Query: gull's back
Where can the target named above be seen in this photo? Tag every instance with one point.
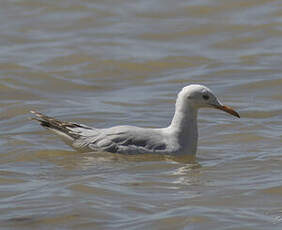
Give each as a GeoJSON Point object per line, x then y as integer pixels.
{"type": "Point", "coordinates": [122, 139]}
{"type": "Point", "coordinates": [118, 139]}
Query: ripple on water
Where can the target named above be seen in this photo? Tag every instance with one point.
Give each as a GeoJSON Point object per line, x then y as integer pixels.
{"type": "Point", "coordinates": [105, 64]}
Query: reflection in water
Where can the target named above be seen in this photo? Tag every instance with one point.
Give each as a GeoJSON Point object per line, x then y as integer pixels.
{"type": "Point", "coordinates": [189, 174]}
{"type": "Point", "coordinates": [92, 158]}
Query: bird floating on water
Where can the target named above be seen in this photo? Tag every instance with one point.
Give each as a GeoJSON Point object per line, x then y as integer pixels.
{"type": "Point", "coordinates": [180, 137]}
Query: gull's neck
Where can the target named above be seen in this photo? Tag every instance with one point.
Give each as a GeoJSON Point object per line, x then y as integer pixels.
{"type": "Point", "coordinates": [184, 126]}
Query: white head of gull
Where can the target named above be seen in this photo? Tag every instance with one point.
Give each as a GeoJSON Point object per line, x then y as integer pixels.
{"type": "Point", "coordinates": [180, 137]}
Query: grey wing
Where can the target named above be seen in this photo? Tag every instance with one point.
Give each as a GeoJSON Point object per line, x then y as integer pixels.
{"type": "Point", "coordinates": [123, 139]}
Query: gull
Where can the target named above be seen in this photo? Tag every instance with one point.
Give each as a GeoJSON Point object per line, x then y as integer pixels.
{"type": "Point", "coordinates": [180, 137]}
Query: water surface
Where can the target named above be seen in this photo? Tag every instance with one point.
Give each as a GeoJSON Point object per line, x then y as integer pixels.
{"type": "Point", "coordinates": [105, 63]}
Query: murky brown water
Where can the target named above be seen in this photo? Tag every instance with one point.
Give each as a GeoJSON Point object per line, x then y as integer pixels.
{"type": "Point", "coordinates": [107, 63]}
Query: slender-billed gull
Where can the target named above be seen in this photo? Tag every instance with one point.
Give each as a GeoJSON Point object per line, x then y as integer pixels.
{"type": "Point", "coordinates": [180, 137]}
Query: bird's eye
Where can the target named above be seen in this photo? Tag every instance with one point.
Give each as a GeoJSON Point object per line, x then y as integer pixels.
{"type": "Point", "coordinates": [206, 97]}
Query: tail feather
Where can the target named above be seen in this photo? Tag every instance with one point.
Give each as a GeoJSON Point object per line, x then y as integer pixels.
{"type": "Point", "coordinates": [60, 127]}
